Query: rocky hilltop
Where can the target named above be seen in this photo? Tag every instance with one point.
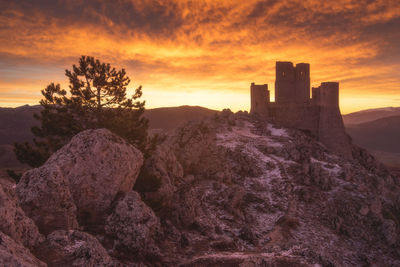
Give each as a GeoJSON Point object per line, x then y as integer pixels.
{"type": "Point", "coordinates": [227, 191]}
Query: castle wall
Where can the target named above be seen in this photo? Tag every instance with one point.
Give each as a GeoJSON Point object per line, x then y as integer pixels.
{"type": "Point", "coordinates": [304, 117]}
{"type": "Point", "coordinates": [315, 95]}
{"type": "Point", "coordinates": [331, 130]}
{"type": "Point", "coordinates": [259, 98]}
{"type": "Point", "coordinates": [324, 122]}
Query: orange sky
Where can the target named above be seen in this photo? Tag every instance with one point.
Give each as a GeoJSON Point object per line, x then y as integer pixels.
{"type": "Point", "coordinates": [204, 52]}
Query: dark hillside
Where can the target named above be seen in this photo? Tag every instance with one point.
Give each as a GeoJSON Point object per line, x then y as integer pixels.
{"type": "Point", "coordinates": [172, 117]}
{"type": "Point", "coordinates": [382, 134]}
{"type": "Point", "coordinates": [370, 115]}
{"type": "Point", "coordinates": [16, 124]}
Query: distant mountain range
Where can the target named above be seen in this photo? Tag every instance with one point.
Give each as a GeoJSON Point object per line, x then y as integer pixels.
{"type": "Point", "coordinates": [382, 134]}
{"type": "Point", "coordinates": [17, 122]}
{"type": "Point", "coordinates": [172, 117]}
{"type": "Point", "coordinates": [15, 125]}
{"type": "Point", "coordinates": [377, 130]}
{"type": "Point", "coordinates": [370, 115]}
{"type": "Point", "coordinates": [380, 137]}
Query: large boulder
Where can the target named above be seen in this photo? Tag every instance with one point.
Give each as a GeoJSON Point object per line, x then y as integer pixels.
{"type": "Point", "coordinates": [83, 178]}
{"type": "Point", "coordinates": [45, 197]}
{"type": "Point", "coordinates": [98, 166]}
{"type": "Point", "coordinates": [74, 248]}
{"type": "Point", "coordinates": [134, 226]}
{"type": "Point", "coordinates": [13, 254]}
{"type": "Point", "coordinates": [14, 222]}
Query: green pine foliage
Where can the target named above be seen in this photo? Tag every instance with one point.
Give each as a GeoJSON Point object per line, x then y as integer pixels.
{"type": "Point", "coordinates": [96, 99]}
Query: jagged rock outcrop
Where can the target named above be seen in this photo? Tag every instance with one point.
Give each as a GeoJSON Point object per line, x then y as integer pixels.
{"type": "Point", "coordinates": [79, 181]}
{"type": "Point", "coordinates": [14, 222]}
{"type": "Point", "coordinates": [13, 254]}
{"type": "Point", "coordinates": [134, 227]}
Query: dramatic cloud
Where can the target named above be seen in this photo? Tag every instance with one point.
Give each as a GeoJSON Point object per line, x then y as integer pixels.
{"type": "Point", "coordinates": [204, 52]}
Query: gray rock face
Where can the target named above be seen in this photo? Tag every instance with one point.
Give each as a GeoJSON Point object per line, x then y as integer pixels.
{"type": "Point", "coordinates": [74, 248]}
{"type": "Point", "coordinates": [163, 168]}
{"type": "Point", "coordinates": [13, 254]}
{"type": "Point", "coordinates": [79, 181]}
{"type": "Point", "coordinates": [45, 196]}
{"type": "Point", "coordinates": [14, 222]}
{"type": "Point", "coordinates": [97, 165]}
{"type": "Point", "coordinates": [133, 225]}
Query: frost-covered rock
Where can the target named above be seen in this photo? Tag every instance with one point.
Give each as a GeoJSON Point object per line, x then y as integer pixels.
{"type": "Point", "coordinates": [74, 248]}
{"type": "Point", "coordinates": [13, 254]}
{"type": "Point", "coordinates": [14, 222]}
{"type": "Point", "coordinates": [134, 226]}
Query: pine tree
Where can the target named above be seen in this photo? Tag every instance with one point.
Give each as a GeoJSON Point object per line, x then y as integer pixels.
{"type": "Point", "coordinates": [97, 99]}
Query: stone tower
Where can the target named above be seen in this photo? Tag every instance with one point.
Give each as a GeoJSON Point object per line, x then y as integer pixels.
{"type": "Point", "coordinates": [259, 98]}
{"type": "Point", "coordinates": [284, 82]}
{"type": "Point", "coordinates": [302, 82]}
{"type": "Point", "coordinates": [331, 131]}
{"type": "Point", "coordinates": [292, 84]}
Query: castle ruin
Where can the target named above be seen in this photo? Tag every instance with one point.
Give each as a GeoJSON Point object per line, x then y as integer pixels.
{"type": "Point", "coordinates": [293, 107]}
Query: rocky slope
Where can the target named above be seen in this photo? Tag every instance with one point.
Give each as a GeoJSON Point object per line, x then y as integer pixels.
{"type": "Point", "coordinates": [228, 191]}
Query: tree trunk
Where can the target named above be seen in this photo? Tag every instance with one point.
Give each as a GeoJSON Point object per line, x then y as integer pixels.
{"type": "Point", "coordinates": [98, 98]}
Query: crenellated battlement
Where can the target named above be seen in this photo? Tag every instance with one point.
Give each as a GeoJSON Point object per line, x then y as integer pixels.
{"type": "Point", "coordinates": [294, 108]}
